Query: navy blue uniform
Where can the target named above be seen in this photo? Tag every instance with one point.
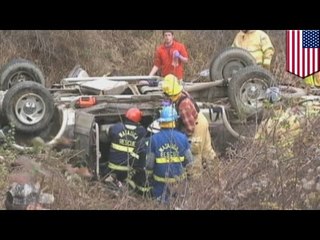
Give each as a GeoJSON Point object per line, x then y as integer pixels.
{"type": "Point", "coordinates": [169, 153]}
{"type": "Point", "coordinates": [128, 153]}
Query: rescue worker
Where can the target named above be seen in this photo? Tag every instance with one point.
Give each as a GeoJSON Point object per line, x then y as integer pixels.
{"type": "Point", "coordinates": [169, 153]}
{"type": "Point", "coordinates": [313, 80]}
{"type": "Point", "coordinates": [194, 124]}
{"type": "Point", "coordinates": [258, 43]}
{"type": "Point", "coordinates": [170, 57]}
{"type": "Point", "coordinates": [282, 126]}
{"type": "Point", "coordinates": [126, 157]}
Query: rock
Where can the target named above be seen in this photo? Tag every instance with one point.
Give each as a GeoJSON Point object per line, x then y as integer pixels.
{"type": "Point", "coordinates": [308, 185]}
{"type": "Point", "coordinates": [46, 198]}
{"type": "Point", "coordinates": [38, 142]}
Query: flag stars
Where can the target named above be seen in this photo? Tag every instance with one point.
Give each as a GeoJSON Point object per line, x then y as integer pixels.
{"type": "Point", "coordinates": [311, 38]}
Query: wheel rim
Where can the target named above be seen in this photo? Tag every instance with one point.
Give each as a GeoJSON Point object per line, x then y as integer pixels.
{"type": "Point", "coordinates": [252, 93]}
{"type": "Point", "coordinates": [30, 109]}
{"type": "Point", "coordinates": [232, 67]}
{"type": "Point", "coordinates": [19, 76]}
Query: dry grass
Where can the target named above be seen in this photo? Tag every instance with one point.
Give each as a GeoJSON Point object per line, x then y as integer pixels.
{"type": "Point", "coordinates": [252, 176]}
{"type": "Point", "coordinates": [125, 52]}
{"type": "Point", "coordinates": [269, 180]}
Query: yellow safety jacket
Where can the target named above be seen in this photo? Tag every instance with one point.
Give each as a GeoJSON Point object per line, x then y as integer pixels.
{"type": "Point", "coordinates": [281, 130]}
{"type": "Point", "coordinates": [258, 44]}
{"type": "Point", "coordinates": [285, 126]}
{"type": "Point", "coordinates": [313, 80]}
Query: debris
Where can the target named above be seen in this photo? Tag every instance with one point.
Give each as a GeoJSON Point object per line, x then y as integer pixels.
{"type": "Point", "coordinates": [82, 171]}
{"type": "Point", "coordinates": [38, 142]}
{"type": "Point", "coordinates": [35, 206]}
{"type": "Point", "coordinates": [26, 197]}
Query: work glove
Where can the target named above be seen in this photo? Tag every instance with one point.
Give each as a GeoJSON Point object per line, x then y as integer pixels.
{"type": "Point", "coordinates": [176, 54]}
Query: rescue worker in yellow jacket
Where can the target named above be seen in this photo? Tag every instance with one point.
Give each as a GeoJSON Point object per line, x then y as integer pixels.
{"type": "Point", "coordinates": [281, 127]}
{"type": "Point", "coordinates": [313, 80]}
{"type": "Point", "coordinates": [258, 43]}
{"type": "Point", "coordinates": [194, 124]}
{"type": "Point", "coordinates": [284, 125]}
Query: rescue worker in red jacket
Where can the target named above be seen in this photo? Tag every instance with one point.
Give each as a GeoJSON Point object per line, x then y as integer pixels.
{"type": "Point", "coordinates": [194, 124]}
{"type": "Point", "coordinates": [168, 154]}
{"type": "Point", "coordinates": [170, 57]}
{"type": "Point", "coordinates": [127, 152]}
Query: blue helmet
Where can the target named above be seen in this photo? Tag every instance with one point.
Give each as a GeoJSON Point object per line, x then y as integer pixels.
{"type": "Point", "coordinates": [168, 114]}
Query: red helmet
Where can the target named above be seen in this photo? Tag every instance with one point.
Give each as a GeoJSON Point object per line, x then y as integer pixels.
{"type": "Point", "coordinates": [134, 114]}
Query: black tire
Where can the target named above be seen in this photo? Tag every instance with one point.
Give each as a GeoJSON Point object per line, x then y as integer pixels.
{"type": "Point", "coordinates": [10, 206]}
{"type": "Point", "coordinates": [230, 61]}
{"type": "Point", "coordinates": [32, 118]}
{"type": "Point", "coordinates": [20, 70]}
{"type": "Point", "coordinates": [246, 90]}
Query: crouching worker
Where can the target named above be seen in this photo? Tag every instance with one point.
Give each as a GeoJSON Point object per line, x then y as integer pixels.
{"type": "Point", "coordinates": [127, 155]}
{"type": "Point", "coordinates": [195, 125]}
{"type": "Point", "coordinates": [280, 129]}
{"type": "Point", "coordinates": [168, 155]}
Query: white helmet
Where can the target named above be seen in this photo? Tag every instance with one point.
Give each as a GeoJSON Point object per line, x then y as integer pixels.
{"type": "Point", "coordinates": [154, 127]}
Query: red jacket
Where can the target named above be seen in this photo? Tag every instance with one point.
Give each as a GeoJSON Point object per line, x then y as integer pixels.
{"type": "Point", "coordinates": [164, 59]}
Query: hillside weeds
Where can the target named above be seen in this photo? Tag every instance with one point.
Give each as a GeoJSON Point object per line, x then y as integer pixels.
{"type": "Point", "coordinates": [252, 175]}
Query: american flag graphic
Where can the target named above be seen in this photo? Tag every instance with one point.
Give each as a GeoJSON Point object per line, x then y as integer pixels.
{"type": "Point", "coordinates": [303, 52]}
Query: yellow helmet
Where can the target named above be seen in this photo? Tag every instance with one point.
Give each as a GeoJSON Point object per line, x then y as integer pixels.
{"type": "Point", "coordinates": [171, 85]}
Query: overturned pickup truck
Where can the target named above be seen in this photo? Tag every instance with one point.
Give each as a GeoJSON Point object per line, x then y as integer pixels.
{"type": "Point", "coordinates": [83, 108]}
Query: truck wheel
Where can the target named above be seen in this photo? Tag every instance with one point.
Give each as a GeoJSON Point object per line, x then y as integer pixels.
{"type": "Point", "coordinates": [20, 70]}
{"type": "Point", "coordinates": [11, 206]}
{"type": "Point", "coordinates": [246, 90]}
{"type": "Point", "coordinates": [28, 106]}
{"type": "Point", "coordinates": [230, 61]}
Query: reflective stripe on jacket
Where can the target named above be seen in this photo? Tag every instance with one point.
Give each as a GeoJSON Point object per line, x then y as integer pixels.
{"type": "Point", "coordinates": [119, 167]}
{"type": "Point", "coordinates": [125, 149]}
{"type": "Point", "coordinates": [170, 180]}
{"type": "Point", "coordinates": [127, 144]}
{"type": "Point", "coordinates": [169, 147]}
{"type": "Point", "coordinates": [162, 160]}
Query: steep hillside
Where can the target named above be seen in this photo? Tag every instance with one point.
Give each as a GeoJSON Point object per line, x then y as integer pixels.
{"type": "Point", "coordinates": [125, 52]}
{"type": "Point", "coordinates": [250, 176]}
